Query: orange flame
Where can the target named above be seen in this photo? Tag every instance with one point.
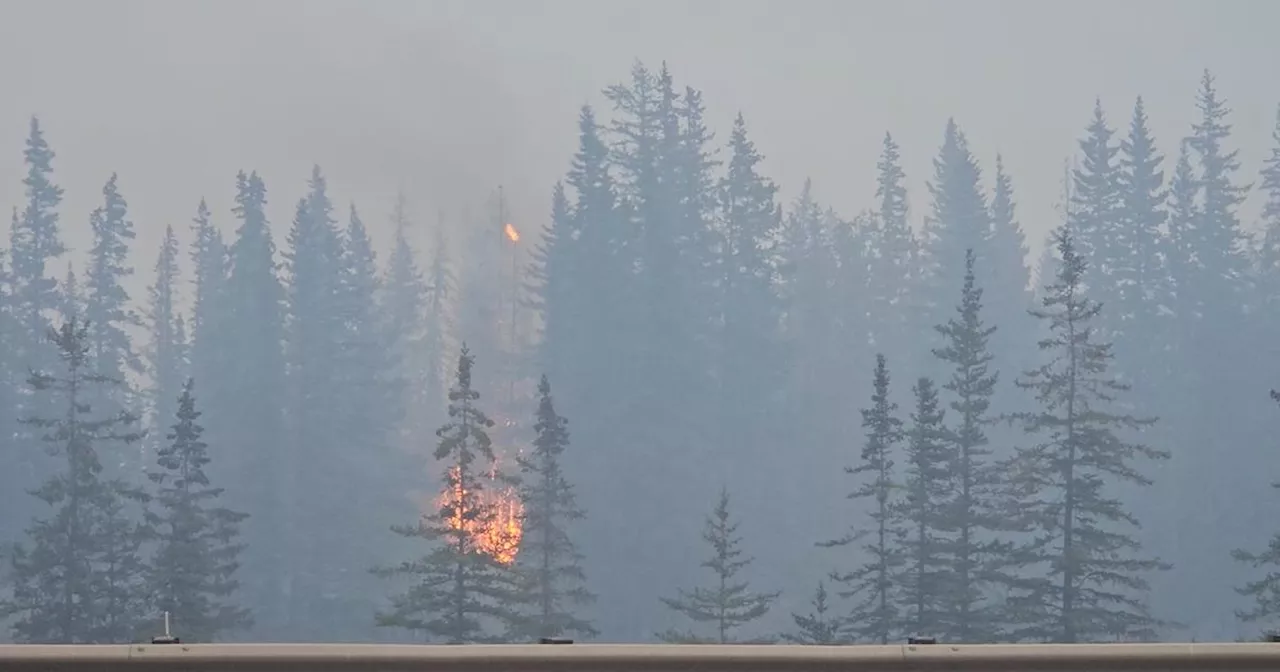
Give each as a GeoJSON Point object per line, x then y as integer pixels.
{"type": "Point", "coordinates": [498, 533]}
{"type": "Point", "coordinates": [512, 234]}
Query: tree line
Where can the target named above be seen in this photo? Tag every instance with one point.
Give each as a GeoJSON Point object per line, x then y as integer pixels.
{"type": "Point", "coordinates": [698, 331]}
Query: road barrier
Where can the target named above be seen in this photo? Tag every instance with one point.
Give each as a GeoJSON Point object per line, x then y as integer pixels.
{"type": "Point", "coordinates": [942, 657]}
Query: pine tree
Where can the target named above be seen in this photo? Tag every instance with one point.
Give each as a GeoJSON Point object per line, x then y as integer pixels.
{"type": "Point", "coordinates": [960, 220]}
{"type": "Point", "coordinates": [441, 286]}
{"type": "Point", "coordinates": [249, 418]}
{"type": "Point", "coordinates": [403, 302]}
{"type": "Point", "coordinates": [193, 572]}
{"type": "Point", "coordinates": [729, 603]}
{"type": "Point", "coordinates": [1142, 281]}
{"type": "Point", "coordinates": [1269, 254]}
{"type": "Point", "coordinates": [752, 359]}
{"type": "Point", "coordinates": [1082, 577]}
{"type": "Point", "coordinates": [550, 575]}
{"type": "Point", "coordinates": [34, 242]}
{"type": "Point", "coordinates": [1095, 204]}
{"type": "Point", "coordinates": [875, 584]}
{"type": "Point", "coordinates": [891, 257]}
{"type": "Point", "coordinates": [166, 355]}
{"type": "Point", "coordinates": [71, 299]}
{"type": "Point", "coordinates": [818, 627]}
{"type": "Point", "coordinates": [107, 304]}
{"type": "Point", "coordinates": [927, 583]}
{"type": "Point", "coordinates": [78, 578]}
{"type": "Point", "coordinates": [1008, 279]}
{"type": "Point", "coordinates": [457, 586]}
{"type": "Point", "coordinates": [1265, 591]}
{"type": "Point", "coordinates": [972, 518]}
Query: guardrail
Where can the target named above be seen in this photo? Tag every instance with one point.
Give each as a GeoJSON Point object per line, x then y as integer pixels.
{"type": "Point", "coordinates": [1243, 657]}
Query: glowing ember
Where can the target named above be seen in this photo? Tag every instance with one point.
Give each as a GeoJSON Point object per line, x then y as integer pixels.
{"type": "Point", "coordinates": [512, 234]}
{"type": "Point", "coordinates": [497, 534]}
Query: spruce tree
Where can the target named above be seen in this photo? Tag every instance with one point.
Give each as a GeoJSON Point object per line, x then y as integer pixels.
{"type": "Point", "coordinates": [441, 286]}
{"type": "Point", "coordinates": [35, 241]}
{"type": "Point", "coordinates": [403, 301]}
{"type": "Point", "coordinates": [458, 588]}
{"type": "Point", "coordinates": [166, 353]}
{"type": "Point", "coordinates": [79, 576]}
{"type": "Point", "coordinates": [107, 304]}
{"type": "Point", "coordinates": [818, 627]}
{"type": "Point", "coordinates": [250, 418]}
{"type": "Point", "coordinates": [1006, 278]}
{"type": "Point", "coordinates": [875, 584]}
{"type": "Point", "coordinates": [1264, 591]}
{"type": "Point", "coordinates": [891, 259]}
{"type": "Point", "coordinates": [973, 518]}
{"type": "Point", "coordinates": [1269, 253]}
{"type": "Point", "coordinates": [927, 577]}
{"type": "Point", "coordinates": [729, 603]}
{"type": "Point", "coordinates": [550, 578]}
{"type": "Point", "coordinates": [1082, 575]}
{"type": "Point", "coordinates": [1095, 204]}
{"type": "Point", "coordinates": [192, 575]}
{"type": "Point", "coordinates": [752, 357]}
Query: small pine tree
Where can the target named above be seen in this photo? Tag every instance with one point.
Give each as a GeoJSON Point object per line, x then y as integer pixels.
{"type": "Point", "coordinates": [729, 604]}
{"type": "Point", "coordinates": [458, 587]}
{"type": "Point", "coordinates": [193, 572]}
{"type": "Point", "coordinates": [874, 584]}
{"type": "Point", "coordinates": [1083, 576]}
{"type": "Point", "coordinates": [549, 567]}
{"type": "Point", "coordinates": [79, 579]}
{"type": "Point", "coordinates": [818, 627]}
{"type": "Point", "coordinates": [927, 579]}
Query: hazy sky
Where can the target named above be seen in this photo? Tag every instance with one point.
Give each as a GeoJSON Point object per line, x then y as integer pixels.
{"type": "Point", "coordinates": [449, 98]}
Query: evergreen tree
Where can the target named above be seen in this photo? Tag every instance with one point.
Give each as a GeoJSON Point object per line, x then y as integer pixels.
{"type": "Point", "coordinates": [1142, 283]}
{"type": "Point", "coordinates": [1269, 254]}
{"type": "Point", "coordinates": [960, 220]}
{"type": "Point", "coordinates": [875, 584]}
{"type": "Point", "coordinates": [71, 298]}
{"type": "Point", "coordinates": [166, 356]}
{"type": "Point", "coordinates": [891, 256]}
{"type": "Point", "coordinates": [1265, 591]}
{"type": "Point", "coordinates": [1083, 577]}
{"type": "Point", "coordinates": [403, 302]}
{"type": "Point", "coordinates": [441, 286]}
{"type": "Point", "coordinates": [927, 573]}
{"type": "Point", "coordinates": [107, 305]}
{"type": "Point", "coordinates": [1007, 281]}
{"type": "Point", "coordinates": [34, 242]}
{"type": "Point", "coordinates": [457, 586]}
{"type": "Point", "coordinates": [193, 572]}
{"type": "Point", "coordinates": [550, 576]}
{"type": "Point", "coordinates": [78, 578]}
{"type": "Point", "coordinates": [250, 420]}
{"type": "Point", "coordinates": [1095, 204]}
{"type": "Point", "coordinates": [729, 603]}
{"type": "Point", "coordinates": [818, 627]}
{"type": "Point", "coordinates": [752, 359]}
{"type": "Point", "coordinates": [972, 519]}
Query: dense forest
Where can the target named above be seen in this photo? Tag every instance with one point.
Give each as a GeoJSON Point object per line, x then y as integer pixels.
{"type": "Point", "coordinates": [682, 411]}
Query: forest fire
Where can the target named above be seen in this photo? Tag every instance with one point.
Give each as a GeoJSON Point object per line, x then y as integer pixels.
{"type": "Point", "coordinates": [497, 533]}
{"type": "Point", "coordinates": [512, 234]}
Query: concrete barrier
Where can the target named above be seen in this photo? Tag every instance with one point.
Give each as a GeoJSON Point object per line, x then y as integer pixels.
{"type": "Point", "coordinates": [641, 658]}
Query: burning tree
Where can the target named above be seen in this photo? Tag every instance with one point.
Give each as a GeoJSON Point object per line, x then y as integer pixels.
{"type": "Point", "coordinates": [460, 585]}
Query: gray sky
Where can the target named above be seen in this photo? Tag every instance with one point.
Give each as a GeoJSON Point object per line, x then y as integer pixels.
{"type": "Point", "coordinates": [449, 98]}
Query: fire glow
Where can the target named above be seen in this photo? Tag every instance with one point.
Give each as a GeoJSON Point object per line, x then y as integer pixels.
{"type": "Point", "coordinates": [497, 532]}
{"type": "Point", "coordinates": [512, 234]}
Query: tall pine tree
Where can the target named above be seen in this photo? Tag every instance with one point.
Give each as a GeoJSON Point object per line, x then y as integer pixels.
{"type": "Point", "coordinates": [1083, 577]}
{"type": "Point", "coordinates": [875, 584]}
{"type": "Point", "coordinates": [927, 577]}
{"type": "Point", "coordinates": [167, 361]}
